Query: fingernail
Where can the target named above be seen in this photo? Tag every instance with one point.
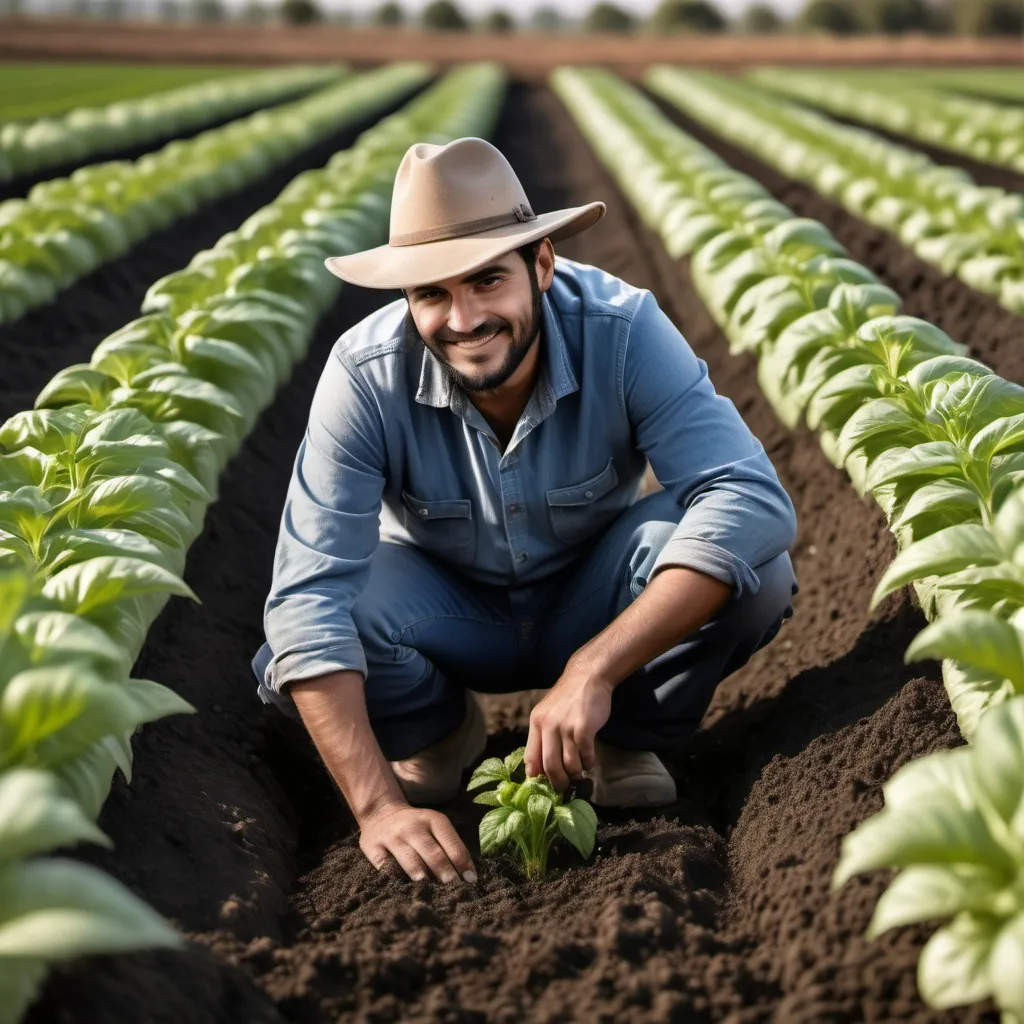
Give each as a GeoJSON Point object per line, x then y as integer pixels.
{"type": "Point", "coordinates": [417, 878]}
{"type": "Point", "coordinates": [469, 876]}
{"type": "Point", "coordinates": [447, 878]}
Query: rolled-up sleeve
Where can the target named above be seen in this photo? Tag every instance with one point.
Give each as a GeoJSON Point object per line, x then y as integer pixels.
{"type": "Point", "coordinates": [329, 530]}
{"type": "Point", "coordinates": [735, 514]}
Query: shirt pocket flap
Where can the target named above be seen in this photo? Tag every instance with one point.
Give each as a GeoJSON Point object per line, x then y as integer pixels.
{"type": "Point", "coordinates": [587, 491]}
{"type": "Point", "coordinates": [449, 508]}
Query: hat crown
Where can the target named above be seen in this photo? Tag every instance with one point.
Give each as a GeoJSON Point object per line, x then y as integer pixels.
{"type": "Point", "coordinates": [450, 191]}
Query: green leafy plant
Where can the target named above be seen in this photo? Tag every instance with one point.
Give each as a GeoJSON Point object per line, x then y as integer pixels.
{"type": "Point", "coordinates": [529, 815]}
{"type": "Point", "coordinates": [954, 823]}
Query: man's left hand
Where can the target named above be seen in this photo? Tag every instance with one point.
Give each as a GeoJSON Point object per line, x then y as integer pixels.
{"type": "Point", "coordinates": [563, 726]}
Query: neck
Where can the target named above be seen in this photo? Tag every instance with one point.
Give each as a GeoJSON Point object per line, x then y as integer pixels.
{"type": "Point", "coordinates": [502, 406]}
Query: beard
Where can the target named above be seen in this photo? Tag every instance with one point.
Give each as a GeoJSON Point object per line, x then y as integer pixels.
{"type": "Point", "coordinates": [523, 332]}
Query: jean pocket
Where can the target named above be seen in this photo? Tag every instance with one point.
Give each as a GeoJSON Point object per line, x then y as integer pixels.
{"type": "Point", "coordinates": [443, 527]}
{"type": "Point", "coordinates": [581, 510]}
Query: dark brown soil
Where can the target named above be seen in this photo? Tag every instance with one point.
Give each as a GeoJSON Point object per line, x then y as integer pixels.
{"type": "Point", "coordinates": [993, 333]}
{"type": "Point", "coordinates": [718, 909]}
{"type": "Point", "coordinates": [67, 330]}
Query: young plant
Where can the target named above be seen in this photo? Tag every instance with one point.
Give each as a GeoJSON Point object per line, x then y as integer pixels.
{"type": "Point", "coordinates": [529, 815]}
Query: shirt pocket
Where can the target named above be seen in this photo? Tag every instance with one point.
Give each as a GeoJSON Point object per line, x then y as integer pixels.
{"type": "Point", "coordinates": [580, 511]}
{"type": "Point", "coordinates": [443, 527]}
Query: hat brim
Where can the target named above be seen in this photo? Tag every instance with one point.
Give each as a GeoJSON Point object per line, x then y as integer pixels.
{"type": "Point", "coordinates": [411, 266]}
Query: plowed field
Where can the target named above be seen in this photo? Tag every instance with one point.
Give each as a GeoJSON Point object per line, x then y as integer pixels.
{"type": "Point", "coordinates": [716, 909]}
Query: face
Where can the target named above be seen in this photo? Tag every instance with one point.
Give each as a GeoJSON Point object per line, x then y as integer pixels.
{"type": "Point", "coordinates": [482, 326]}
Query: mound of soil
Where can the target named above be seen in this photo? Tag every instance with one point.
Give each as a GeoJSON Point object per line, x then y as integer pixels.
{"type": "Point", "coordinates": [715, 909]}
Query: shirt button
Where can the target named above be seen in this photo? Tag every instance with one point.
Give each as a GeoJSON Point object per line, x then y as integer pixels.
{"type": "Point", "coordinates": [588, 494]}
{"type": "Point", "coordinates": [423, 512]}
{"type": "Point", "coordinates": [522, 556]}
{"type": "Point", "coordinates": [514, 508]}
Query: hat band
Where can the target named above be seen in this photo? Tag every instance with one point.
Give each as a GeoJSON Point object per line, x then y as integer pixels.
{"type": "Point", "coordinates": [518, 215]}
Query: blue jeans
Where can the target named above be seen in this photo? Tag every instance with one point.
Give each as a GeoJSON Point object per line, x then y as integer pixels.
{"type": "Point", "coordinates": [429, 631]}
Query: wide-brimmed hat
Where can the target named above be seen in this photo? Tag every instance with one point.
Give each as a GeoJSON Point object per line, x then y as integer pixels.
{"type": "Point", "coordinates": [455, 208]}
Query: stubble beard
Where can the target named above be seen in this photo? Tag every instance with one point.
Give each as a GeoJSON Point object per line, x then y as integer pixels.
{"type": "Point", "coordinates": [523, 333]}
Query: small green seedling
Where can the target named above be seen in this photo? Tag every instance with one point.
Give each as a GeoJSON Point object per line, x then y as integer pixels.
{"type": "Point", "coordinates": [529, 814]}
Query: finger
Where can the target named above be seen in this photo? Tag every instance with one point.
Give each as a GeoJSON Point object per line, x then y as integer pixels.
{"type": "Point", "coordinates": [571, 758]}
{"type": "Point", "coordinates": [379, 857]}
{"type": "Point", "coordinates": [409, 861]}
{"type": "Point", "coordinates": [553, 760]}
{"type": "Point", "coordinates": [588, 753]}
{"type": "Point", "coordinates": [453, 846]}
{"type": "Point", "coordinates": [533, 759]}
{"type": "Point", "coordinates": [432, 854]}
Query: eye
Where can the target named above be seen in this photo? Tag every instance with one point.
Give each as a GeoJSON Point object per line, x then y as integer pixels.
{"type": "Point", "coordinates": [490, 282]}
{"type": "Point", "coordinates": [427, 296]}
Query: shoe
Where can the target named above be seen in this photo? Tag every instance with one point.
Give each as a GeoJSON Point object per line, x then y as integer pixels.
{"type": "Point", "coordinates": [434, 775]}
{"type": "Point", "coordinates": [630, 778]}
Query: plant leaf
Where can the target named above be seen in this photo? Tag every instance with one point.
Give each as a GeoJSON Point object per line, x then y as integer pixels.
{"type": "Point", "coordinates": [491, 770]}
{"type": "Point", "coordinates": [492, 833]}
{"type": "Point", "coordinates": [954, 966]}
{"type": "Point", "coordinates": [578, 823]}
{"type": "Point", "coordinates": [975, 638]}
{"type": "Point", "coordinates": [514, 760]}
{"type": "Point", "coordinates": [928, 891]}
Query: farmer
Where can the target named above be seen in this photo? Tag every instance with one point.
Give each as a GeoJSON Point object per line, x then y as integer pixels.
{"type": "Point", "coordinates": [464, 513]}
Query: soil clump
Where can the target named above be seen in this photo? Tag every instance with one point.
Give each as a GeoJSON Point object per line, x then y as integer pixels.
{"type": "Point", "coordinates": [715, 909]}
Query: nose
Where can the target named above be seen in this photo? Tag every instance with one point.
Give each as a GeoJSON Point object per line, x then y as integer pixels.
{"type": "Point", "coordinates": [464, 316]}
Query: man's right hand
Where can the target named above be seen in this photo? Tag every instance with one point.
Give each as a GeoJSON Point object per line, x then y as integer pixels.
{"type": "Point", "coordinates": [420, 840]}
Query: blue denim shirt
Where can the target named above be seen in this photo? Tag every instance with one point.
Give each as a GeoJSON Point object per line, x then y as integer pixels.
{"type": "Point", "coordinates": [393, 450]}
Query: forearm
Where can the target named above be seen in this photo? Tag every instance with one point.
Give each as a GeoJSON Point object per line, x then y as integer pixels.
{"type": "Point", "coordinates": [333, 709]}
{"type": "Point", "coordinates": [676, 602]}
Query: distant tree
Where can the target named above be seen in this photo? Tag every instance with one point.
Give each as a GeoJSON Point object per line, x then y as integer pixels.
{"type": "Point", "coordinates": [547, 19]}
{"type": "Point", "coordinates": [689, 15]}
{"type": "Point", "coordinates": [498, 21]}
{"type": "Point", "coordinates": [832, 16]}
{"type": "Point", "coordinates": [990, 17]}
{"type": "Point", "coordinates": [113, 9]}
{"type": "Point", "coordinates": [166, 10]}
{"type": "Point", "coordinates": [207, 10]}
{"type": "Point", "coordinates": [444, 16]}
{"type": "Point", "coordinates": [300, 12]}
{"type": "Point", "coordinates": [254, 13]}
{"type": "Point", "coordinates": [606, 17]}
{"type": "Point", "coordinates": [760, 19]}
{"type": "Point", "coordinates": [895, 17]}
{"type": "Point", "coordinates": [390, 13]}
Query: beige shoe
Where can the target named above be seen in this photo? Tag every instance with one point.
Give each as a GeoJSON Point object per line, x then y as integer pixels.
{"type": "Point", "coordinates": [434, 775]}
{"type": "Point", "coordinates": [630, 778]}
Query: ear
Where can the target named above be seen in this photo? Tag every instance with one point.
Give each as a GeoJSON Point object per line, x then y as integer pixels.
{"type": "Point", "coordinates": [545, 265]}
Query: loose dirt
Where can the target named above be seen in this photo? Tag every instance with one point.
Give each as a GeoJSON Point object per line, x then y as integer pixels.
{"type": "Point", "coordinates": [716, 909]}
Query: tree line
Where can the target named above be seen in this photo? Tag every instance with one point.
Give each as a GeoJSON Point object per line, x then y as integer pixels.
{"type": "Point", "coordinates": [838, 17]}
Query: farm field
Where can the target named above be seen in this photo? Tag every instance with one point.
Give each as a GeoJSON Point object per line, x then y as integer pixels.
{"type": "Point", "coordinates": [40, 88]}
{"type": "Point", "coordinates": [719, 908]}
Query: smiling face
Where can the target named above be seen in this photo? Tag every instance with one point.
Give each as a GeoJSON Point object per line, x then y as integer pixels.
{"type": "Point", "coordinates": [482, 325]}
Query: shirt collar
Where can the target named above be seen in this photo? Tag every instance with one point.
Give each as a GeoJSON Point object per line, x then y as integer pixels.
{"type": "Point", "coordinates": [555, 380]}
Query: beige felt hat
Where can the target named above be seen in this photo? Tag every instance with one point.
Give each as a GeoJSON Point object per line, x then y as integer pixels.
{"type": "Point", "coordinates": [453, 209]}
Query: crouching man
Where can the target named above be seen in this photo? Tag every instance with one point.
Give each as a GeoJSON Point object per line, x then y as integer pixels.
{"type": "Point", "coordinates": [464, 513]}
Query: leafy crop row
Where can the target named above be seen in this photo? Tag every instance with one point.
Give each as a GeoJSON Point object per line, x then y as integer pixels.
{"type": "Point", "coordinates": [27, 147]}
{"type": "Point", "coordinates": [974, 231]}
{"type": "Point", "coordinates": [104, 484]}
{"type": "Point", "coordinates": [988, 132]}
{"type": "Point", "coordinates": [938, 440]}
{"type": "Point", "coordinates": [69, 226]}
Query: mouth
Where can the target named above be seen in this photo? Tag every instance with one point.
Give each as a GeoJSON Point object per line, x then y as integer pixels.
{"type": "Point", "coordinates": [475, 343]}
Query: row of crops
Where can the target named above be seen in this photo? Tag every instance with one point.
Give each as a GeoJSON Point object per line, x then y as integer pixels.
{"type": "Point", "coordinates": [105, 483]}
{"type": "Point", "coordinates": [104, 486]}
{"type": "Point", "coordinates": [938, 440]}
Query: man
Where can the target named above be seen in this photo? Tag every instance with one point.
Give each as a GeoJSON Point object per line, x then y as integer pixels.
{"type": "Point", "coordinates": [463, 514]}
